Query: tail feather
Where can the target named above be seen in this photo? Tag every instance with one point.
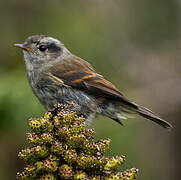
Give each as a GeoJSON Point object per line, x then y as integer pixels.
{"type": "Point", "coordinates": [117, 112]}
{"type": "Point", "coordinates": [152, 116]}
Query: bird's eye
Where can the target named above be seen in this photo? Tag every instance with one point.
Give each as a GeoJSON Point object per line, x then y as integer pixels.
{"type": "Point", "coordinates": [43, 48]}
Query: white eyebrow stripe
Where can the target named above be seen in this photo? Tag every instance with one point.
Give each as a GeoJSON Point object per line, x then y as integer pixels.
{"type": "Point", "coordinates": [53, 40]}
{"type": "Point", "coordinates": [50, 39]}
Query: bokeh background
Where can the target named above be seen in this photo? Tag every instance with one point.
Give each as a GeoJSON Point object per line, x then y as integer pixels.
{"type": "Point", "coordinates": [134, 44]}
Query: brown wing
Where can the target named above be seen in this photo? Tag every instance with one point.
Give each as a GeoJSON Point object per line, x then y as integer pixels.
{"type": "Point", "coordinates": [79, 74]}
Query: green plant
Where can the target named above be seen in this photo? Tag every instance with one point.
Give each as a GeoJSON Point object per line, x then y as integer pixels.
{"type": "Point", "coordinates": [63, 148]}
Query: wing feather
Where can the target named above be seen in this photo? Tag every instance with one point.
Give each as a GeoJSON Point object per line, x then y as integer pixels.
{"type": "Point", "coordinates": [79, 74]}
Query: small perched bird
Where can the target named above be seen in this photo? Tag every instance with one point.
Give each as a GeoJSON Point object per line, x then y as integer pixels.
{"type": "Point", "coordinates": [56, 76]}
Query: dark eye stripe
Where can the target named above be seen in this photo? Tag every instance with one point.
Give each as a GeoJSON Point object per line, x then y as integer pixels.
{"type": "Point", "coordinates": [53, 47]}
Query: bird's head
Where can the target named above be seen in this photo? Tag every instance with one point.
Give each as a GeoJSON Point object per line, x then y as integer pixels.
{"type": "Point", "coordinates": [40, 51]}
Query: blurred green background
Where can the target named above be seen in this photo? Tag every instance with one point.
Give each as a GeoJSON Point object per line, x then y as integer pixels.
{"type": "Point", "coordinates": [134, 44]}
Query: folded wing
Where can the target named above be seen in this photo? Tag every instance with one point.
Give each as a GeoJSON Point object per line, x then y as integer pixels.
{"type": "Point", "coordinates": [79, 74]}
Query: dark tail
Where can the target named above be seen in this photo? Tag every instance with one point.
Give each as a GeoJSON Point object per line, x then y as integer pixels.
{"type": "Point", "coordinates": [152, 116]}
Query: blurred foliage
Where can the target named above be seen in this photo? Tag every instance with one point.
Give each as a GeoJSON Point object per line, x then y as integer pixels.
{"type": "Point", "coordinates": [134, 44]}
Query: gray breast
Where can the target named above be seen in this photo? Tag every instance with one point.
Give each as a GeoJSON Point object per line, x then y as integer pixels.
{"type": "Point", "coordinates": [50, 94]}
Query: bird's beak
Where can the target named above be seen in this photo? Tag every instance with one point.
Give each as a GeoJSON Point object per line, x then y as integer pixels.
{"type": "Point", "coordinates": [22, 46]}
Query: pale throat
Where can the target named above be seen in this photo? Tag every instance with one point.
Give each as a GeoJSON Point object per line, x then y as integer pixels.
{"type": "Point", "coordinates": [30, 62]}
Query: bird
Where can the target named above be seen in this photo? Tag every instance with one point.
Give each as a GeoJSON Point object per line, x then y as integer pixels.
{"type": "Point", "coordinates": [57, 76]}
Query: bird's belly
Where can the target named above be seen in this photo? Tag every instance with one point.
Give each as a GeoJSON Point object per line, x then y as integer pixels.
{"type": "Point", "coordinates": [84, 104]}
